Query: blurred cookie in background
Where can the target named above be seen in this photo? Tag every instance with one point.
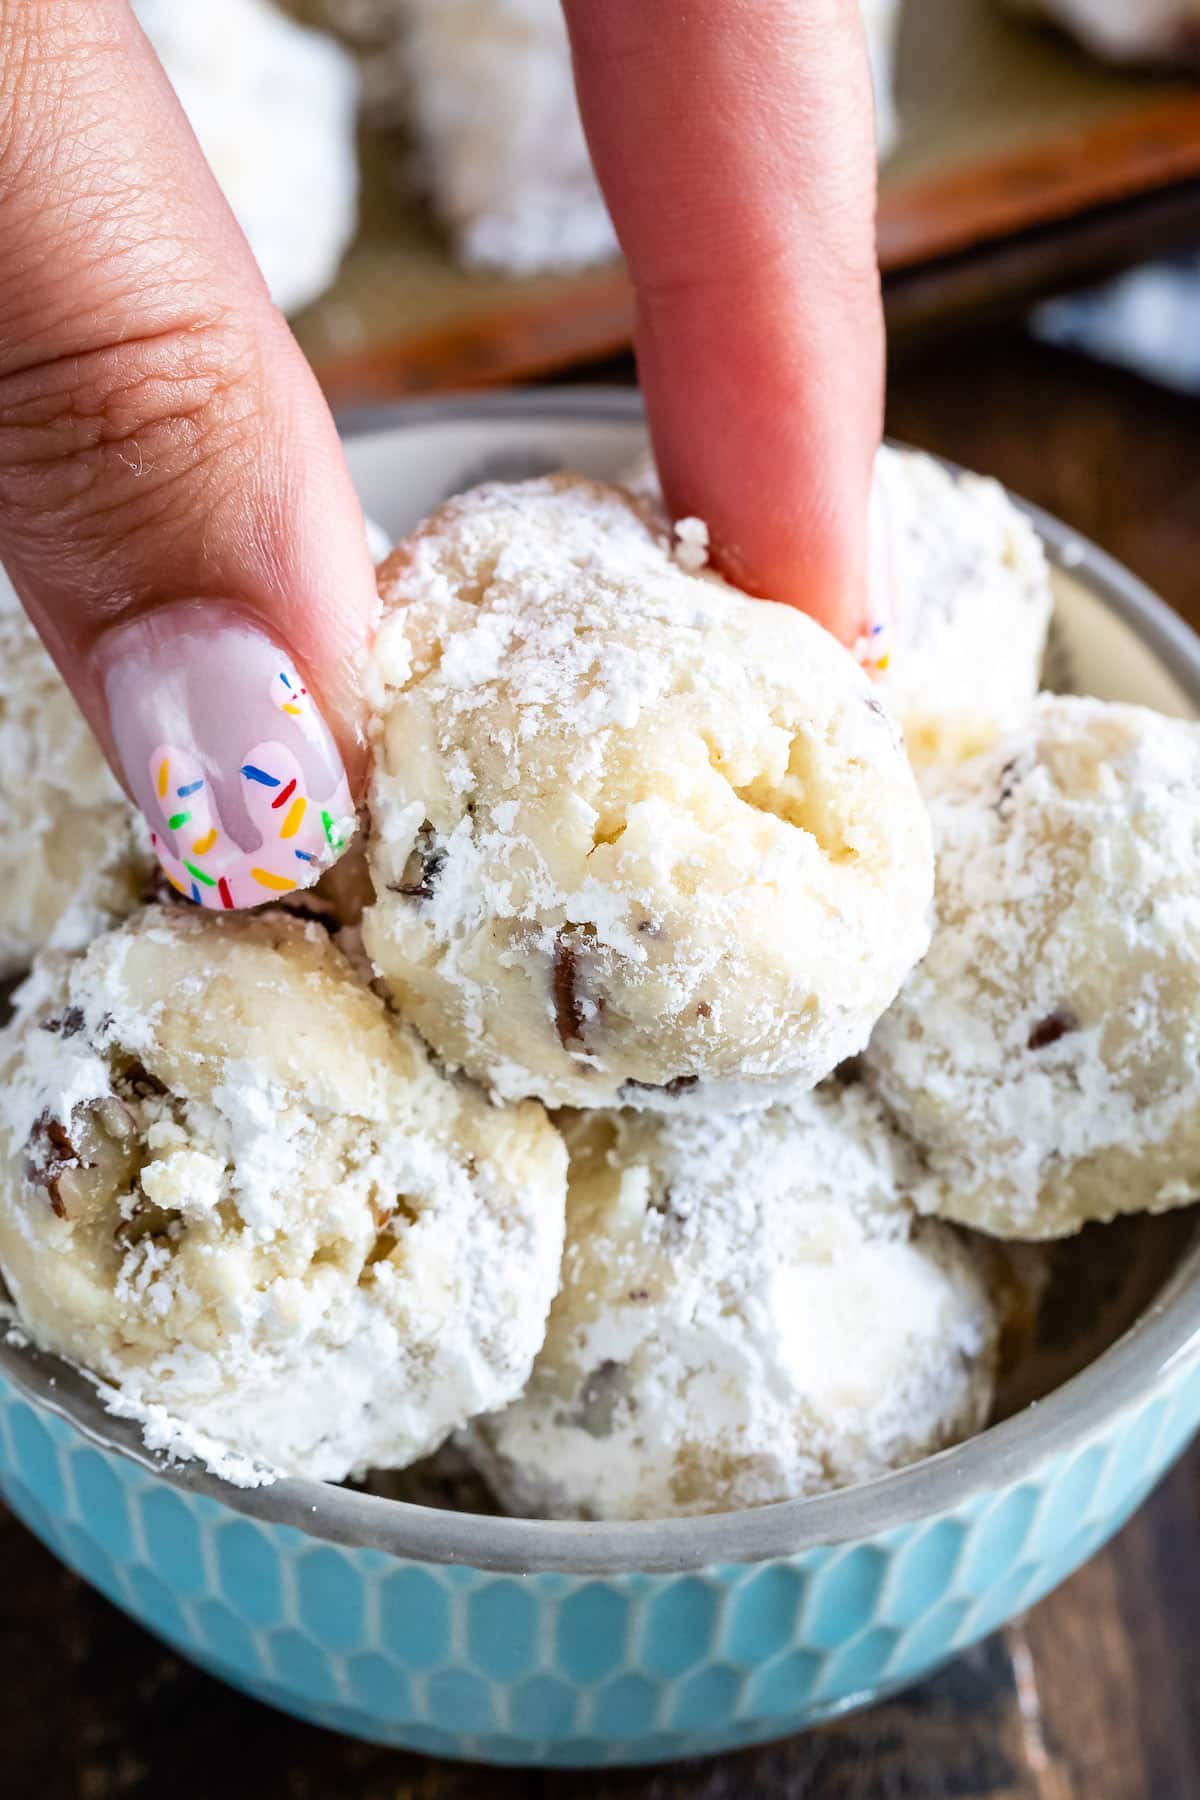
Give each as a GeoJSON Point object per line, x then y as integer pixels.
{"type": "Point", "coordinates": [275, 108]}
{"type": "Point", "coordinates": [1132, 31]}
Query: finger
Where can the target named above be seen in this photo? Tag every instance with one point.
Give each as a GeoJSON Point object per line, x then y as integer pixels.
{"type": "Point", "coordinates": [175, 510]}
{"type": "Point", "coordinates": [734, 142]}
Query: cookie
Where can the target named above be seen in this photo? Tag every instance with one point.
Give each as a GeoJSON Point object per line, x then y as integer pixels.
{"type": "Point", "coordinates": [78, 854]}
{"type": "Point", "coordinates": [635, 838]}
{"type": "Point", "coordinates": [748, 1313]}
{"type": "Point", "coordinates": [962, 599]}
{"type": "Point", "coordinates": [1046, 1054]}
{"type": "Point", "coordinates": [274, 107]}
{"type": "Point", "coordinates": [235, 1190]}
{"type": "Point", "coordinates": [491, 97]}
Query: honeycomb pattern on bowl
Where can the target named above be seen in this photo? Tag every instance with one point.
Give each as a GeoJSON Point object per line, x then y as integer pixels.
{"type": "Point", "coordinates": [558, 1668]}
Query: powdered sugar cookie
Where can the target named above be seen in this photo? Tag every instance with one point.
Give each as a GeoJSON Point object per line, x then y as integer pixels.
{"type": "Point", "coordinates": [632, 834]}
{"type": "Point", "coordinates": [274, 107]}
{"type": "Point", "coordinates": [492, 99]}
{"type": "Point", "coordinates": [962, 599]}
{"type": "Point", "coordinates": [1046, 1053]}
{"type": "Point", "coordinates": [235, 1189]}
{"type": "Point", "coordinates": [747, 1314]}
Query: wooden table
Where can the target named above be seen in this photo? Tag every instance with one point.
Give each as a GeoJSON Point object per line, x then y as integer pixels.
{"type": "Point", "coordinates": [1094, 1696]}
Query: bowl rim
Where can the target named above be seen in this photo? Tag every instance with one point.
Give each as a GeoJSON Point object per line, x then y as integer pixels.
{"type": "Point", "coordinates": [1149, 1356]}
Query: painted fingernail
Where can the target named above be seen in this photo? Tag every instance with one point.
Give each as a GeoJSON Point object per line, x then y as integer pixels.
{"type": "Point", "coordinates": [875, 642]}
{"type": "Point", "coordinates": [226, 754]}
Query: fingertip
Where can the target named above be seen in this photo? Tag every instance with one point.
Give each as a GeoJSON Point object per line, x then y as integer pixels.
{"type": "Point", "coordinates": [787, 570]}
{"type": "Point", "coordinates": [784, 493]}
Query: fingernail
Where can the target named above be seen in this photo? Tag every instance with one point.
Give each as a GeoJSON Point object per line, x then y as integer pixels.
{"type": "Point", "coordinates": [225, 752]}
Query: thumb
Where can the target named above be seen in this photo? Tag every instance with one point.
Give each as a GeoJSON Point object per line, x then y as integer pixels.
{"type": "Point", "coordinates": [175, 510]}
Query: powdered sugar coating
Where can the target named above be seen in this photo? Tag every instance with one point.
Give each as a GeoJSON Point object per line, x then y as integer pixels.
{"type": "Point", "coordinates": [76, 854]}
{"type": "Point", "coordinates": [961, 580]}
{"type": "Point", "coordinates": [747, 1314]}
{"type": "Point", "coordinates": [634, 837]}
{"type": "Point", "coordinates": [234, 1188]}
{"type": "Point", "coordinates": [1046, 1054]}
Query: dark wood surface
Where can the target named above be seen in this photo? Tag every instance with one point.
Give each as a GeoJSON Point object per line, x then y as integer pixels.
{"type": "Point", "coordinates": [1094, 1696]}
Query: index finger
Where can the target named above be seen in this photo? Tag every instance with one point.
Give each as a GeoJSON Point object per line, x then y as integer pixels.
{"type": "Point", "coordinates": [735, 144]}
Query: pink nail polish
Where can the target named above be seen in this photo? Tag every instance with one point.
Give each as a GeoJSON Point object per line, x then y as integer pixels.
{"type": "Point", "coordinates": [226, 754]}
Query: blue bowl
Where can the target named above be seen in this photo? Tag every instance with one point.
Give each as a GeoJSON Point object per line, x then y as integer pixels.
{"type": "Point", "coordinates": [518, 1641]}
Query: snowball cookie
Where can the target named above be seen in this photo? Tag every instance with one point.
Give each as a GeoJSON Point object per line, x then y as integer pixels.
{"type": "Point", "coordinates": [275, 109]}
{"type": "Point", "coordinates": [747, 1314]}
{"type": "Point", "coordinates": [1135, 31]}
{"type": "Point", "coordinates": [631, 831]}
{"type": "Point", "coordinates": [1046, 1054]}
{"type": "Point", "coordinates": [962, 601]}
{"type": "Point", "coordinates": [233, 1187]}
{"type": "Point", "coordinates": [492, 100]}
{"type": "Point", "coordinates": [78, 854]}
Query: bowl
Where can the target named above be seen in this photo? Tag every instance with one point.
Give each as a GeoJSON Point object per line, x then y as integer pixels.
{"type": "Point", "coordinates": [529, 1642]}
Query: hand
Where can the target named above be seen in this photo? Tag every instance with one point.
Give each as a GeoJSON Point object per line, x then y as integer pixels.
{"type": "Point", "coordinates": [735, 145]}
{"type": "Point", "coordinates": [175, 510]}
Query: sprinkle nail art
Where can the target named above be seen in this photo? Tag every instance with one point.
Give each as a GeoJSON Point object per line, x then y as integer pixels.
{"type": "Point", "coordinates": [236, 770]}
{"type": "Point", "coordinates": [873, 649]}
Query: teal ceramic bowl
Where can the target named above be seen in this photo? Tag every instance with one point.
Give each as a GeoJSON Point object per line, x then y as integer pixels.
{"type": "Point", "coordinates": [528, 1642]}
